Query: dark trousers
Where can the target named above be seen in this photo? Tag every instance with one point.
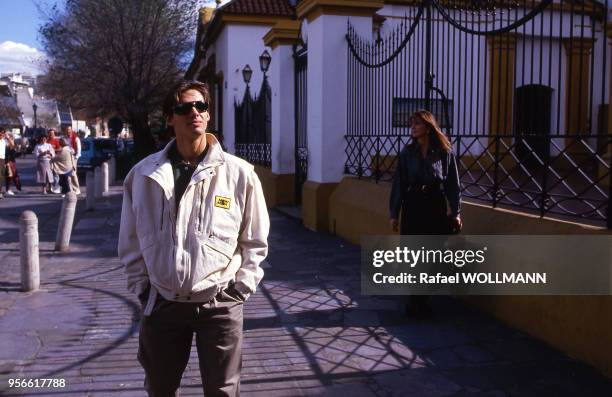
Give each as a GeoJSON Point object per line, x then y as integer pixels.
{"type": "Point", "coordinates": [14, 177]}
{"type": "Point", "coordinates": [423, 213]}
{"type": "Point", "coordinates": [165, 345]}
{"type": "Point", "coordinates": [2, 170]}
{"type": "Point", "coordinates": [64, 183]}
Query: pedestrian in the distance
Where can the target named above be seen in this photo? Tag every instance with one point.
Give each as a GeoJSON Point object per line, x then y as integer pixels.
{"type": "Point", "coordinates": [44, 152]}
{"type": "Point", "coordinates": [425, 189]}
{"type": "Point", "coordinates": [4, 144]}
{"type": "Point", "coordinates": [23, 147]}
{"type": "Point", "coordinates": [75, 146]}
{"type": "Point", "coordinates": [64, 165]}
{"type": "Point", "coordinates": [12, 176]}
{"type": "Point", "coordinates": [194, 229]}
{"type": "Point", "coordinates": [53, 140]}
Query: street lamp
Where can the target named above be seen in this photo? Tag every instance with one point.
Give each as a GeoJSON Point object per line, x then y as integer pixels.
{"type": "Point", "coordinates": [264, 61]}
{"type": "Point", "coordinates": [34, 107]}
{"type": "Point", "coordinates": [247, 73]}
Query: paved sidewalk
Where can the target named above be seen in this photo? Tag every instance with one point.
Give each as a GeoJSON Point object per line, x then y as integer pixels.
{"type": "Point", "coordinates": [308, 332]}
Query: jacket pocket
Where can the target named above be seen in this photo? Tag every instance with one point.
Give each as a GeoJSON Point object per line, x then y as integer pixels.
{"type": "Point", "coordinates": [226, 296]}
{"type": "Point", "coordinates": [219, 246]}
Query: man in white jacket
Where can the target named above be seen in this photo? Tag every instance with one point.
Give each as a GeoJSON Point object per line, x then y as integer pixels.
{"type": "Point", "coordinates": [75, 146]}
{"type": "Point", "coordinates": [194, 229]}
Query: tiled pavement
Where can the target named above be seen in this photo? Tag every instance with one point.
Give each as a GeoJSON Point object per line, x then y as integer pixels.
{"type": "Point", "coordinates": [308, 331]}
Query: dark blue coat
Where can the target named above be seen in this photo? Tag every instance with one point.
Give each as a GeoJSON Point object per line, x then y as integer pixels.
{"type": "Point", "coordinates": [412, 169]}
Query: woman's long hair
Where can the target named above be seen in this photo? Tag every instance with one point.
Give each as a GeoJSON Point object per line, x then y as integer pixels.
{"type": "Point", "coordinates": [436, 136]}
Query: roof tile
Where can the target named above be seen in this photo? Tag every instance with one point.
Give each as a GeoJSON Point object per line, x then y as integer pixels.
{"type": "Point", "coordinates": [260, 7]}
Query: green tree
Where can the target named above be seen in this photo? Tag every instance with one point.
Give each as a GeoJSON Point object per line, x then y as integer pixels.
{"type": "Point", "coordinates": [118, 57]}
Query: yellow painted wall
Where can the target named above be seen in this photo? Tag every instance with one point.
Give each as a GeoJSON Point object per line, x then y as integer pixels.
{"type": "Point", "coordinates": [315, 205]}
{"type": "Point", "coordinates": [581, 326]}
{"type": "Point", "coordinates": [278, 188]}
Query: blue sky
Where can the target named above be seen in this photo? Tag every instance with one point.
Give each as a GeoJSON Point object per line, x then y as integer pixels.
{"type": "Point", "coordinates": [19, 47]}
{"type": "Point", "coordinates": [20, 50]}
{"type": "Point", "coordinates": [20, 21]}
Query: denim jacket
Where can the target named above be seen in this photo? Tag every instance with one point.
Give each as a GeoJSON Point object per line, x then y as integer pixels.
{"type": "Point", "coordinates": [412, 169]}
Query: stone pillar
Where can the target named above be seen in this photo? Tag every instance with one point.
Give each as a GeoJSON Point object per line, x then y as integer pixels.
{"type": "Point", "coordinates": [578, 51]}
{"type": "Point", "coordinates": [503, 57]}
{"type": "Point", "coordinates": [104, 167]}
{"type": "Point", "coordinates": [502, 63]}
{"type": "Point", "coordinates": [98, 183]}
{"type": "Point", "coordinates": [64, 230]}
{"type": "Point", "coordinates": [28, 250]}
{"type": "Point", "coordinates": [327, 97]}
{"type": "Point", "coordinates": [112, 170]}
{"type": "Point", "coordinates": [90, 203]}
{"type": "Point", "coordinates": [280, 39]}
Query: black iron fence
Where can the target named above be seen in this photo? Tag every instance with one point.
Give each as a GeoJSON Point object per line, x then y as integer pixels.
{"type": "Point", "coordinates": [300, 59]}
{"type": "Point", "coordinates": [521, 87]}
{"type": "Point", "coordinates": [572, 182]}
{"type": "Point", "coordinates": [254, 126]}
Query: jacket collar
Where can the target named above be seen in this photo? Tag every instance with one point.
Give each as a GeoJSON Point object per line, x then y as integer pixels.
{"type": "Point", "coordinates": [158, 167]}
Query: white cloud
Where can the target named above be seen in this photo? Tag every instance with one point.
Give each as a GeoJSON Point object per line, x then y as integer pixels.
{"type": "Point", "coordinates": [18, 57]}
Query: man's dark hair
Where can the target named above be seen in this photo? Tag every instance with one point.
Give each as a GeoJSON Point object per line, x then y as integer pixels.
{"type": "Point", "coordinates": [2, 130]}
{"type": "Point", "coordinates": [173, 98]}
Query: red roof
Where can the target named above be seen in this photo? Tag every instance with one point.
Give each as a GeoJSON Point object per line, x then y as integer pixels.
{"type": "Point", "coordinates": [259, 7]}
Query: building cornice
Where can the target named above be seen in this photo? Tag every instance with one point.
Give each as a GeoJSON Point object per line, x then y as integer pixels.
{"type": "Point", "coordinates": [252, 19]}
{"type": "Point", "coordinates": [312, 9]}
{"type": "Point", "coordinates": [220, 21]}
{"type": "Point", "coordinates": [285, 32]}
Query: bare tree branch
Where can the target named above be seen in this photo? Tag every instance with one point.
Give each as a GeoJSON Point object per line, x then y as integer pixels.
{"type": "Point", "coordinates": [118, 56]}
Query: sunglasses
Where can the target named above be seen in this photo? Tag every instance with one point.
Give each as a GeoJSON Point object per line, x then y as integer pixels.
{"type": "Point", "coordinates": [185, 108]}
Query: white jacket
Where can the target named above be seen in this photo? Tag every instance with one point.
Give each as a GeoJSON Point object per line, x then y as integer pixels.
{"type": "Point", "coordinates": [219, 232]}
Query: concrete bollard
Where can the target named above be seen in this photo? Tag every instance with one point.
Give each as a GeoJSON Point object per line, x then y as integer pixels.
{"type": "Point", "coordinates": [28, 247]}
{"type": "Point", "coordinates": [64, 230]}
{"type": "Point", "coordinates": [112, 170]}
{"type": "Point", "coordinates": [98, 182]}
{"type": "Point", "coordinates": [104, 178]}
{"type": "Point", "coordinates": [90, 203]}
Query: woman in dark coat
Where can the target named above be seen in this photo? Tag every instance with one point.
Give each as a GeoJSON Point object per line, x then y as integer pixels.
{"type": "Point", "coordinates": [426, 190]}
{"type": "Point", "coordinates": [11, 166]}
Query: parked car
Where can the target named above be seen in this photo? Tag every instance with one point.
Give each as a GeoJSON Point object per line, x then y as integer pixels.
{"type": "Point", "coordinates": [94, 151]}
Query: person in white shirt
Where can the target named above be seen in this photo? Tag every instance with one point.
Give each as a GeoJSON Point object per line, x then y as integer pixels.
{"type": "Point", "coordinates": [3, 145]}
{"type": "Point", "coordinates": [44, 152]}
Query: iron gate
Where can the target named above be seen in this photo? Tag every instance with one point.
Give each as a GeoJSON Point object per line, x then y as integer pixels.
{"type": "Point", "coordinates": [300, 57]}
{"type": "Point", "coordinates": [253, 123]}
{"type": "Point", "coordinates": [480, 67]}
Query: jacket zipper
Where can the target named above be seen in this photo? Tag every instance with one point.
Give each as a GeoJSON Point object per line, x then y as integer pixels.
{"type": "Point", "coordinates": [202, 207]}
{"type": "Point", "coordinates": [163, 200]}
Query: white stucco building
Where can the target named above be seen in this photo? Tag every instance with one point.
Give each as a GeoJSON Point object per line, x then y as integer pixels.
{"type": "Point", "coordinates": [516, 81]}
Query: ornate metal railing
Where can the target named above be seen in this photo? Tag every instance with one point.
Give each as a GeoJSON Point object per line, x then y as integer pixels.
{"type": "Point", "coordinates": [521, 87]}
{"type": "Point", "coordinates": [255, 153]}
{"type": "Point", "coordinates": [571, 179]}
{"type": "Point", "coordinates": [253, 126]}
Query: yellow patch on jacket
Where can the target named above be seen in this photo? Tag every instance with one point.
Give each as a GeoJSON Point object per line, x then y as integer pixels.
{"type": "Point", "coordinates": [222, 202]}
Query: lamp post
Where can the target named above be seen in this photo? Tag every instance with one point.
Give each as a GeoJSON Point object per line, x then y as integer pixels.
{"type": "Point", "coordinates": [247, 72]}
{"type": "Point", "coordinates": [264, 62]}
{"type": "Point", "coordinates": [35, 107]}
